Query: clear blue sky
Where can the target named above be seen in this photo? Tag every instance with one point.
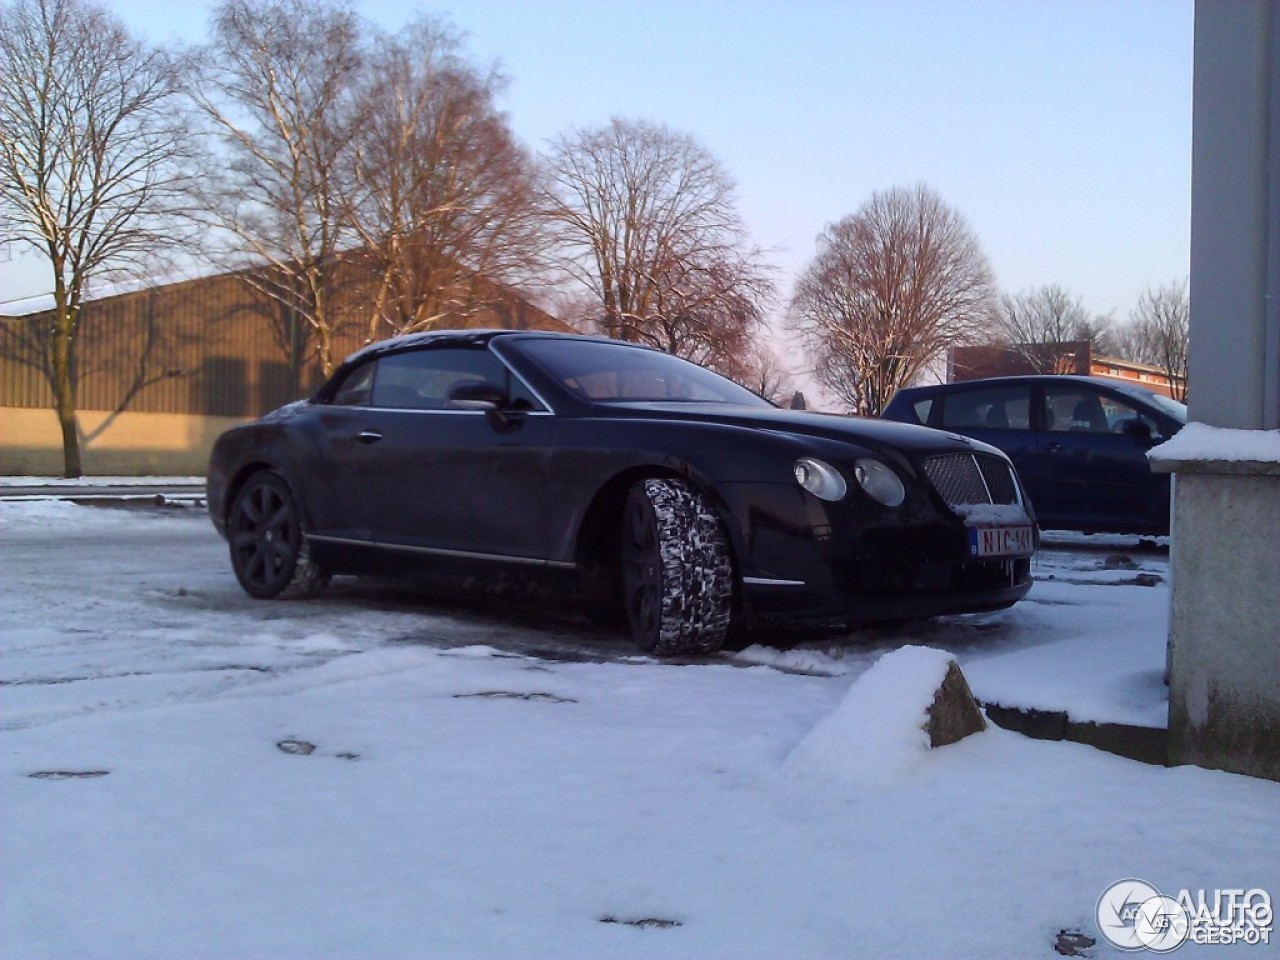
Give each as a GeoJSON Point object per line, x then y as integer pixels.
{"type": "Point", "coordinates": [1060, 128]}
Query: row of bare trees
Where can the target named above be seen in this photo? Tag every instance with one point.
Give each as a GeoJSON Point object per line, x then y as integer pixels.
{"type": "Point", "coordinates": [302, 147]}
{"type": "Point", "coordinates": [339, 148]}
{"type": "Point", "coordinates": [894, 286]}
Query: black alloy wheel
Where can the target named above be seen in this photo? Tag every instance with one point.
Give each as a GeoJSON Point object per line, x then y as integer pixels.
{"type": "Point", "coordinates": [268, 550]}
{"type": "Point", "coordinates": [677, 574]}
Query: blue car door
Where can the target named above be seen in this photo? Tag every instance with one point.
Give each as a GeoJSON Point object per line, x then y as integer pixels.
{"type": "Point", "coordinates": [1091, 462]}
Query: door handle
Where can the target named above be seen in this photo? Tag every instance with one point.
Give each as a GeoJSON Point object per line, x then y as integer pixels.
{"type": "Point", "coordinates": [1054, 447]}
{"type": "Point", "coordinates": [368, 436]}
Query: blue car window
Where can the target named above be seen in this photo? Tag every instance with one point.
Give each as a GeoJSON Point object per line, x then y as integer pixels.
{"type": "Point", "coordinates": [1080, 409]}
{"type": "Point", "coordinates": [992, 407]}
{"type": "Point", "coordinates": [922, 408]}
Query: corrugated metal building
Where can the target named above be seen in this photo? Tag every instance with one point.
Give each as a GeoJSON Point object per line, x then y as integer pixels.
{"type": "Point", "coordinates": [162, 369]}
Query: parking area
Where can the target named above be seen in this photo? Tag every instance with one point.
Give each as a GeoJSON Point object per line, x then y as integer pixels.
{"type": "Point", "coordinates": [375, 774]}
{"type": "Point", "coordinates": [142, 581]}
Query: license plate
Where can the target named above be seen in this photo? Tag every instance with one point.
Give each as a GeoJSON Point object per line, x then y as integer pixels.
{"type": "Point", "coordinates": [1000, 541]}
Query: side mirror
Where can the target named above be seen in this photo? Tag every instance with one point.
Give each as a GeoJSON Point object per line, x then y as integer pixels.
{"type": "Point", "coordinates": [489, 397]}
{"type": "Point", "coordinates": [1137, 428]}
{"type": "Point", "coordinates": [477, 395]}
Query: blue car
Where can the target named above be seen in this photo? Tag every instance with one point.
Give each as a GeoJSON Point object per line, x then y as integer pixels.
{"type": "Point", "coordinates": [1079, 443]}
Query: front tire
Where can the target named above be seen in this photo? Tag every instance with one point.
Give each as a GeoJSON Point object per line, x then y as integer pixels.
{"type": "Point", "coordinates": [269, 551]}
{"type": "Point", "coordinates": [677, 571]}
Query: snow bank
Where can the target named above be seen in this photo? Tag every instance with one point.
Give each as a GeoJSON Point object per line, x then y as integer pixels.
{"type": "Point", "coordinates": [1199, 441]}
{"type": "Point", "coordinates": [96, 481]}
{"type": "Point", "coordinates": [876, 737]}
{"type": "Point", "coordinates": [59, 514]}
{"type": "Point", "coordinates": [812, 662]}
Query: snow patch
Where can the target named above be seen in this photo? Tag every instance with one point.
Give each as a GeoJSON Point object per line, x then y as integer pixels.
{"type": "Point", "coordinates": [813, 662]}
{"type": "Point", "coordinates": [983, 514]}
{"type": "Point", "coordinates": [1199, 441]}
{"type": "Point", "coordinates": [36, 514]}
{"type": "Point", "coordinates": [347, 667]}
{"type": "Point", "coordinates": [876, 737]}
{"type": "Point", "coordinates": [113, 481]}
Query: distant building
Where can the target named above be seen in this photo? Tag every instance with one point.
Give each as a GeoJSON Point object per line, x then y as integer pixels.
{"type": "Point", "coordinates": [164, 368]}
{"type": "Point", "coordinates": [1073, 357]}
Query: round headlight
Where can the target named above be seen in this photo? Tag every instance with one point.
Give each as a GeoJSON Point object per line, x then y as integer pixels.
{"type": "Point", "coordinates": [880, 482]}
{"type": "Point", "coordinates": [821, 479]}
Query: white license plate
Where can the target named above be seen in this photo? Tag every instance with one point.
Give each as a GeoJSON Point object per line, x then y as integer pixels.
{"type": "Point", "coordinates": [1001, 541]}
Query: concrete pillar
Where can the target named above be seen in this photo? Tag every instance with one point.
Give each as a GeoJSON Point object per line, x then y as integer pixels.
{"type": "Point", "coordinates": [1224, 624]}
{"type": "Point", "coordinates": [1235, 215]}
{"type": "Point", "coordinates": [1224, 661]}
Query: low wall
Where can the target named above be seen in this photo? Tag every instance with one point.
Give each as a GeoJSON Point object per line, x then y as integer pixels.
{"type": "Point", "coordinates": [124, 444]}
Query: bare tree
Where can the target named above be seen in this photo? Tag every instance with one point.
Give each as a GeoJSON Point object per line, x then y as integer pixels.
{"type": "Point", "coordinates": [890, 289]}
{"type": "Point", "coordinates": [275, 85]}
{"type": "Point", "coordinates": [648, 224]}
{"type": "Point", "coordinates": [1158, 333]}
{"type": "Point", "coordinates": [767, 375]}
{"type": "Point", "coordinates": [1042, 324]}
{"type": "Point", "coordinates": [444, 206]}
{"type": "Point", "coordinates": [92, 152]}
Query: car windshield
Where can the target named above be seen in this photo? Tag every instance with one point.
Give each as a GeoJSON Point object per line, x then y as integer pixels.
{"type": "Point", "coordinates": [1158, 400]}
{"type": "Point", "coordinates": [605, 372]}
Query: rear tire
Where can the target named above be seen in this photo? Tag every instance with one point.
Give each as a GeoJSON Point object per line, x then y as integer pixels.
{"type": "Point", "coordinates": [269, 550]}
{"type": "Point", "coordinates": [677, 570]}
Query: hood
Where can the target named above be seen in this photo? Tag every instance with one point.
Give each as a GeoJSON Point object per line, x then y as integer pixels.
{"type": "Point", "coordinates": [866, 431]}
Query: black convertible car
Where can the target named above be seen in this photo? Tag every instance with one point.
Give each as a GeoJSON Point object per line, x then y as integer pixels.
{"type": "Point", "coordinates": [662, 489]}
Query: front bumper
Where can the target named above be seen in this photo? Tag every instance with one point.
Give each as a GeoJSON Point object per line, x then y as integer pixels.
{"type": "Point", "coordinates": [808, 561]}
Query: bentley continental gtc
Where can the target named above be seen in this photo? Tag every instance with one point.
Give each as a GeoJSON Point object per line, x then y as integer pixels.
{"type": "Point", "coordinates": [660, 490]}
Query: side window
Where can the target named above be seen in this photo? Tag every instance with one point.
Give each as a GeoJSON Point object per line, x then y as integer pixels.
{"type": "Point", "coordinates": [1121, 416]}
{"type": "Point", "coordinates": [922, 408]}
{"type": "Point", "coordinates": [993, 407]}
{"type": "Point", "coordinates": [354, 391]}
{"type": "Point", "coordinates": [422, 379]}
{"type": "Point", "coordinates": [1081, 409]}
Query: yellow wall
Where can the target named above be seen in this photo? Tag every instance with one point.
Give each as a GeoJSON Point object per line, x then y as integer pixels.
{"type": "Point", "coordinates": [125, 444]}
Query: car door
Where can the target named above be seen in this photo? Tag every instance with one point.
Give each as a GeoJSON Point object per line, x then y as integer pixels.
{"type": "Point", "coordinates": [437, 477]}
{"type": "Point", "coordinates": [1092, 459]}
{"type": "Point", "coordinates": [996, 413]}
{"type": "Point", "coordinates": [328, 461]}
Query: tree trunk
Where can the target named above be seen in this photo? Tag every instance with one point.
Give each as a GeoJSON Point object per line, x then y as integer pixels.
{"type": "Point", "coordinates": [324, 350]}
{"type": "Point", "coordinates": [64, 396]}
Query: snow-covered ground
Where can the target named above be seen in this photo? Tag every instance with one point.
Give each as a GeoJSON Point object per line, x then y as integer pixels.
{"type": "Point", "coordinates": [28, 481]}
{"type": "Point", "coordinates": [188, 773]}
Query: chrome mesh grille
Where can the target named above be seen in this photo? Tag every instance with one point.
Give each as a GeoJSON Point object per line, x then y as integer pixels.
{"type": "Point", "coordinates": [999, 477]}
{"type": "Point", "coordinates": [969, 478]}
